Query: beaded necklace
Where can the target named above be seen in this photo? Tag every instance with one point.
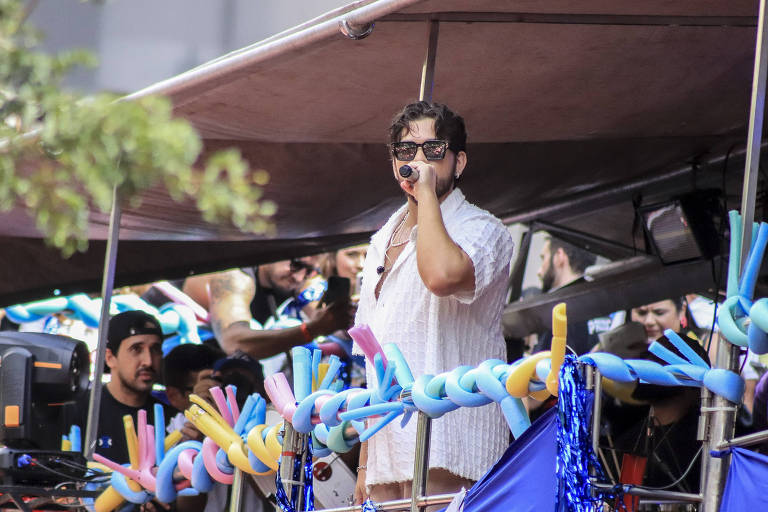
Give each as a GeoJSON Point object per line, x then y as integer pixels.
{"type": "Point", "coordinates": [397, 231]}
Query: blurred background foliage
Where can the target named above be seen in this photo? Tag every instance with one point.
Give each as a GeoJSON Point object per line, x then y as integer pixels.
{"type": "Point", "coordinates": [62, 154]}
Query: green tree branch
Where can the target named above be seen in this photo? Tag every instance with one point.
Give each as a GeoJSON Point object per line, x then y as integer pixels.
{"type": "Point", "coordinates": [61, 154]}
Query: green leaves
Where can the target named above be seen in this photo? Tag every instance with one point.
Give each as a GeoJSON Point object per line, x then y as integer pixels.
{"type": "Point", "coordinates": [228, 188]}
{"type": "Point", "coordinates": [61, 155]}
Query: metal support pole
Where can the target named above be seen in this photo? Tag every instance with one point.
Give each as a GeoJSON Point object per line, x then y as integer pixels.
{"type": "Point", "coordinates": [723, 420]}
{"type": "Point", "coordinates": [294, 445]}
{"type": "Point", "coordinates": [110, 260]}
{"type": "Point", "coordinates": [428, 70]}
{"type": "Point", "coordinates": [403, 504]}
{"type": "Point", "coordinates": [754, 137]}
{"type": "Point", "coordinates": [238, 488]}
{"type": "Point", "coordinates": [748, 440]}
{"type": "Point", "coordinates": [656, 495]}
{"type": "Point", "coordinates": [424, 425]}
{"type": "Point", "coordinates": [300, 505]}
{"type": "Point", "coordinates": [421, 462]}
{"type": "Point", "coordinates": [722, 428]}
{"type": "Point", "coordinates": [597, 389]}
{"type": "Point", "coordinates": [703, 434]}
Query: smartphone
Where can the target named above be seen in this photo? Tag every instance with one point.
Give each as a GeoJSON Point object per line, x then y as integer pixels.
{"type": "Point", "coordinates": [338, 289]}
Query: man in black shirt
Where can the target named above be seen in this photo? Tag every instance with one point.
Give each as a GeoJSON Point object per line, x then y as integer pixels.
{"type": "Point", "coordinates": [134, 356]}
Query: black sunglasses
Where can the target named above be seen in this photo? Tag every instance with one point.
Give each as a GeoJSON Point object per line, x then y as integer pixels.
{"type": "Point", "coordinates": [433, 149]}
{"type": "Point", "coordinates": [298, 266]}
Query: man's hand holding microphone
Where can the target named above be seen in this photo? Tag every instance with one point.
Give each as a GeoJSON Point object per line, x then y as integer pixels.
{"type": "Point", "coordinates": [416, 177]}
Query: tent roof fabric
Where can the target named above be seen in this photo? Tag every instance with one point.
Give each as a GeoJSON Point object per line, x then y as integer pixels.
{"type": "Point", "coordinates": [562, 98]}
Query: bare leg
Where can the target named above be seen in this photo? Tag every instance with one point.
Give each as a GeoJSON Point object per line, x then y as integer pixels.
{"type": "Point", "coordinates": [440, 481]}
{"type": "Point", "coordinates": [386, 492]}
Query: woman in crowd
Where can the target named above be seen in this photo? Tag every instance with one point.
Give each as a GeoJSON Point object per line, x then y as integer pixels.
{"type": "Point", "coordinates": [345, 263]}
{"type": "Point", "coordinates": [659, 316]}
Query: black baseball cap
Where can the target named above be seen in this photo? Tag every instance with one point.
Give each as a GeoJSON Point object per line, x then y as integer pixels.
{"type": "Point", "coordinates": [130, 323]}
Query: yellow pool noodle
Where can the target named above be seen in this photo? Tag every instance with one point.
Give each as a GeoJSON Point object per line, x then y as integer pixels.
{"type": "Point", "coordinates": [108, 500]}
{"type": "Point", "coordinates": [559, 333]}
{"type": "Point", "coordinates": [522, 373]}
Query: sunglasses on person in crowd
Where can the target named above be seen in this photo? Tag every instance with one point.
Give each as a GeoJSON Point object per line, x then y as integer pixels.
{"type": "Point", "coordinates": [299, 266]}
{"type": "Point", "coordinates": [433, 149]}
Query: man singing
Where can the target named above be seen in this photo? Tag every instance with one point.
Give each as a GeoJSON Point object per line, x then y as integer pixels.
{"type": "Point", "coordinates": [434, 281]}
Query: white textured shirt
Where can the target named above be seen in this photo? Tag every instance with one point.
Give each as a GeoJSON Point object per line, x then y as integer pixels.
{"type": "Point", "coordinates": [437, 334]}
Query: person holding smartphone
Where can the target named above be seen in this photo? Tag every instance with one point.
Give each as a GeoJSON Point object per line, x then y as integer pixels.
{"type": "Point", "coordinates": [433, 283]}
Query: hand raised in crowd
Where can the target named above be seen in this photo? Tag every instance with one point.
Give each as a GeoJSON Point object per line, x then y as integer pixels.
{"type": "Point", "coordinates": [336, 316]}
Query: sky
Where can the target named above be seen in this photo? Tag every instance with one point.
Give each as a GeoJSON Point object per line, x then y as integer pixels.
{"type": "Point", "coordinates": [141, 42]}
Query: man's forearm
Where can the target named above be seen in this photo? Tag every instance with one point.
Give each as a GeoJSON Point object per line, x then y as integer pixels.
{"type": "Point", "coordinates": [443, 266]}
{"type": "Point", "coordinates": [263, 343]}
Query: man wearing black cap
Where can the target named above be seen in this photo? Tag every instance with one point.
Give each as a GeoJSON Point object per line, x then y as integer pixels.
{"type": "Point", "coordinates": [134, 355]}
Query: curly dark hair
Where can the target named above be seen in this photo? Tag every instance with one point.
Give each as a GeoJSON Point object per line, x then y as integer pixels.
{"type": "Point", "coordinates": [448, 124]}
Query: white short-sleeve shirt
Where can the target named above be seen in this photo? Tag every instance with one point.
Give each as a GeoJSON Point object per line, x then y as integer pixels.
{"type": "Point", "coordinates": [437, 334]}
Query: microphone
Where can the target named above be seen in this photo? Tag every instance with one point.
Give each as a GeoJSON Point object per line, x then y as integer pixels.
{"type": "Point", "coordinates": [409, 173]}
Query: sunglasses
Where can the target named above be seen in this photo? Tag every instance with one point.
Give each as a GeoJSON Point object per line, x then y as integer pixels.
{"type": "Point", "coordinates": [299, 266]}
{"type": "Point", "coordinates": [433, 150]}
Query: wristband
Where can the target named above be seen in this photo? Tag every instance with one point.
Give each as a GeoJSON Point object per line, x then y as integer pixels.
{"type": "Point", "coordinates": [305, 331]}
{"type": "Point", "coordinates": [361, 467]}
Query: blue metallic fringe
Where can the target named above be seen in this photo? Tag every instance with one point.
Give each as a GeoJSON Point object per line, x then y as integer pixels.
{"type": "Point", "coordinates": [575, 456]}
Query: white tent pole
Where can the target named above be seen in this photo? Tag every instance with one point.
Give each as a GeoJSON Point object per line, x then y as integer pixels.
{"type": "Point", "coordinates": [110, 259]}
{"type": "Point", "coordinates": [361, 13]}
{"type": "Point", "coordinates": [724, 415]}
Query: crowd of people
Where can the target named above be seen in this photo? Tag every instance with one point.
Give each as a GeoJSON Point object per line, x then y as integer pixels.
{"type": "Point", "coordinates": [433, 280]}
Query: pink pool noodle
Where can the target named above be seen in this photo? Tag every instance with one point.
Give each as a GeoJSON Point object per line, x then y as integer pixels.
{"type": "Point", "coordinates": [363, 336]}
{"type": "Point", "coordinates": [280, 393]}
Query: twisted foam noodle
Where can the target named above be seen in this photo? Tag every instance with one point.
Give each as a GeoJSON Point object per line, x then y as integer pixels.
{"type": "Point", "coordinates": [121, 487]}
{"type": "Point", "coordinates": [434, 395]}
{"type": "Point", "coordinates": [327, 414]}
{"type": "Point", "coordinates": [742, 321]}
{"type": "Point", "coordinates": [690, 370]}
{"type": "Point", "coordinates": [200, 472]}
{"type": "Point", "coordinates": [223, 438]}
{"type": "Point", "coordinates": [263, 446]}
{"type": "Point", "coordinates": [229, 437]}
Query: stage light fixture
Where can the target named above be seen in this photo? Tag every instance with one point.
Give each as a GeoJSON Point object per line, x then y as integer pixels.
{"type": "Point", "coordinates": [683, 229]}
{"type": "Point", "coordinates": [39, 375]}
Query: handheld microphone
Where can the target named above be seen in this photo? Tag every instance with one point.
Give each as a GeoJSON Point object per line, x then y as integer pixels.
{"type": "Point", "coordinates": [409, 173]}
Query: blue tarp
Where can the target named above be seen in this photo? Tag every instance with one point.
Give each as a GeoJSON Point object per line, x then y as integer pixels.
{"type": "Point", "coordinates": [524, 477]}
{"type": "Point", "coordinates": [747, 483]}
